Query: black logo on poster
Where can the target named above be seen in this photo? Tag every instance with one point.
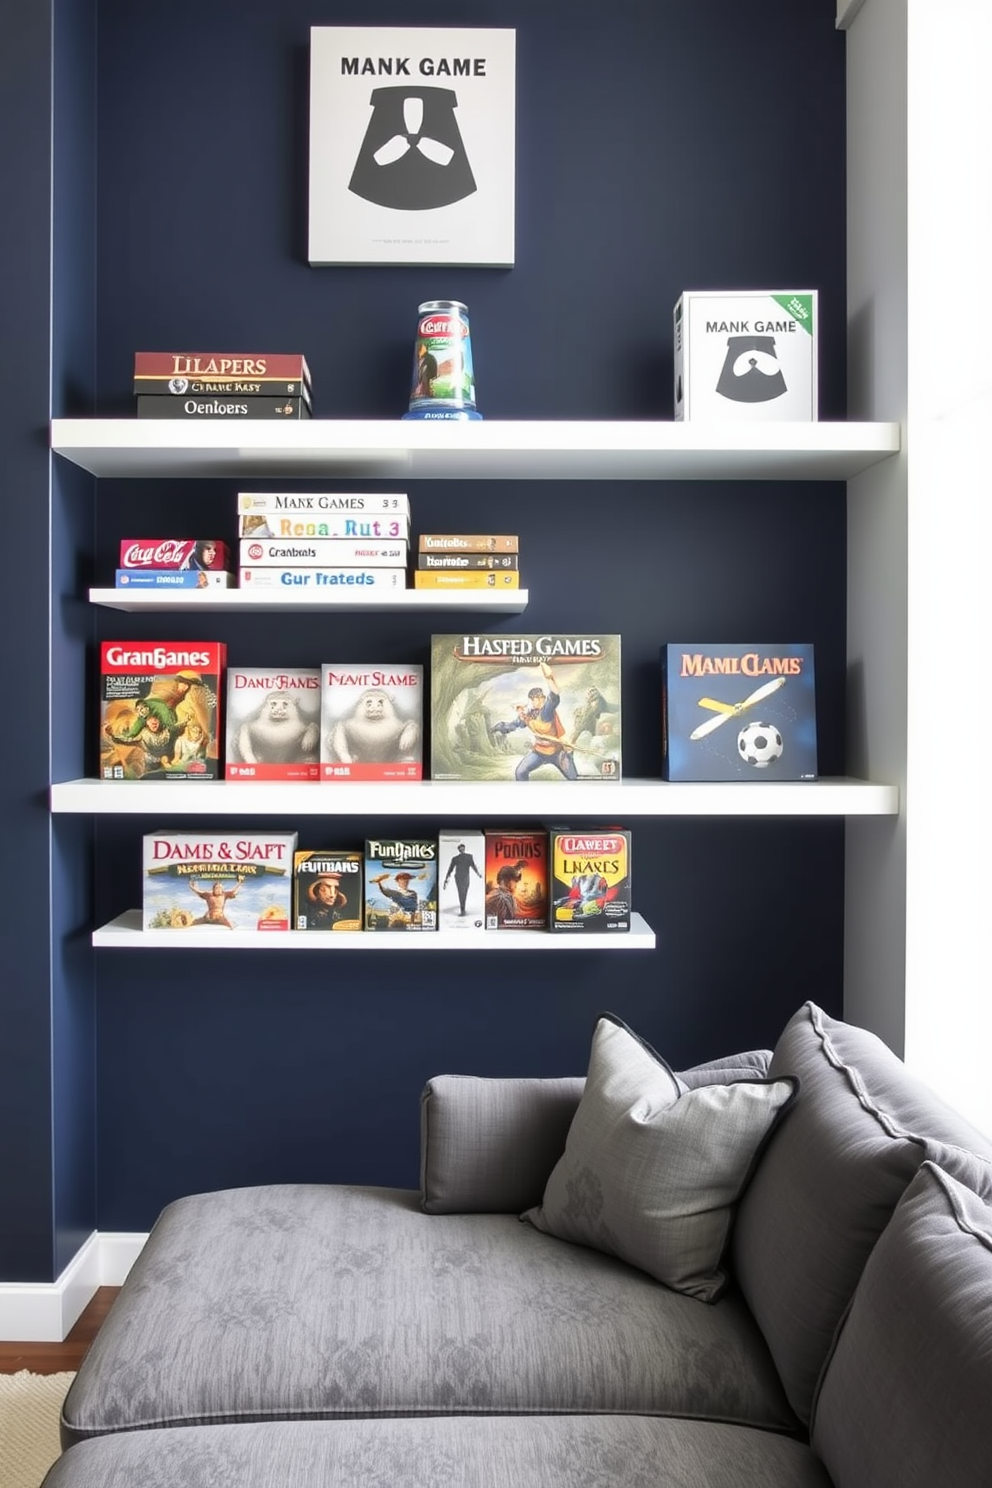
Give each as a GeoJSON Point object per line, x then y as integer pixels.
{"type": "Point", "coordinates": [751, 371]}
{"type": "Point", "coordinates": [412, 157]}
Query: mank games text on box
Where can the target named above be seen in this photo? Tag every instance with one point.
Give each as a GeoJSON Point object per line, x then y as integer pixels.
{"type": "Point", "coordinates": [525, 707]}
{"type": "Point", "coordinates": [160, 709]}
{"type": "Point", "coordinates": [310, 503]}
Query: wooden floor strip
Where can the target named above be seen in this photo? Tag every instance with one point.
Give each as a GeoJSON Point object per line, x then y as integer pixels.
{"type": "Point", "coordinates": [53, 1358]}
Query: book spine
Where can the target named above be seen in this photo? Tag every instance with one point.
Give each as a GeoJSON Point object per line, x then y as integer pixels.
{"type": "Point", "coordinates": [171, 552]}
{"type": "Point", "coordinates": [152, 406]}
{"type": "Point", "coordinates": [465, 562]}
{"type": "Point", "coordinates": [314, 580]}
{"type": "Point", "coordinates": [322, 552]}
{"type": "Point", "coordinates": [200, 364]}
{"type": "Point", "coordinates": [173, 578]}
{"type": "Point", "coordinates": [460, 542]}
{"type": "Point", "coordinates": [320, 504]}
{"type": "Point", "coordinates": [474, 580]}
{"type": "Point", "coordinates": [295, 526]}
{"type": "Point", "coordinates": [221, 387]}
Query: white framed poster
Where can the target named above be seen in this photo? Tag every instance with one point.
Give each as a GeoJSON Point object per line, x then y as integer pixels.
{"type": "Point", "coordinates": [412, 145]}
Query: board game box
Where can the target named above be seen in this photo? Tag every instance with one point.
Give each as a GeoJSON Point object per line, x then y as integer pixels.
{"type": "Point", "coordinates": [461, 880]}
{"type": "Point", "coordinates": [525, 707]}
{"type": "Point", "coordinates": [401, 883]}
{"type": "Point", "coordinates": [371, 722]}
{"type": "Point", "coordinates": [152, 407]}
{"type": "Point", "coordinates": [474, 580]}
{"type": "Point", "coordinates": [221, 387]}
{"type": "Point", "coordinates": [590, 881]}
{"type": "Point", "coordinates": [257, 365]}
{"type": "Point", "coordinates": [311, 580]}
{"type": "Point", "coordinates": [217, 881]}
{"type": "Point", "coordinates": [466, 562]}
{"type": "Point", "coordinates": [327, 890]}
{"type": "Point", "coordinates": [746, 356]}
{"type": "Point", "coordinates": [346, 526]}
{"type": "Point", "coordinates": [321, 503]}
{"type": "Point", "coordinates": [322, 552]}
{"type": "Point", "coordinates": [738, 712]}
{"type": "Point", "coordinates": [516, 880]}
{"type": "Point", "coordinates": [273, 723]}
{"type": "Point", "coordinates": [198, 553]}
{"type": "Point", "coordinates": [468, 542]}
{"type": "Point", "coordinates": [173, 578]}
{"type": "Point", "coordinates": [159, 706]}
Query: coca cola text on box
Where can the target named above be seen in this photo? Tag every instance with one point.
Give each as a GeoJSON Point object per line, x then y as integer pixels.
{"type": "Point", "coordinates": [174, 552]}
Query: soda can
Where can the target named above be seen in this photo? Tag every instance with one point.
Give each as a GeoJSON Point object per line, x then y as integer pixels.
{"type": "Point", "coordinates": [443, 375]}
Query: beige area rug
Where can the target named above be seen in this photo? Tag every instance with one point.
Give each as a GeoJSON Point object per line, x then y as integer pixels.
{"type": "Point", "coordinates": [30, 1405]}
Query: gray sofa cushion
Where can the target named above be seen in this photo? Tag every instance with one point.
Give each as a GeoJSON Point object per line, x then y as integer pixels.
{"type": "Point", "coordinates": [487, 1146]}
{"type": "Point", "coordinates": [752, 1065]}
{"type": "Point", "coordinates": [651, 1171]}
{"type": "Point", "coordinates": [311, 1300]}
{"type": "Point", "coordinates": [905, 1396]}
{"type": "Point", "coordinates": [828, 1182]}
{"type": "Point", "coordinates": [445, 1452]}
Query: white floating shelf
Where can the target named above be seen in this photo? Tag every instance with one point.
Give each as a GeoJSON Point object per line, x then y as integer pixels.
{"type": "Point", "coordinates": [474, 799]}
{"type": "Point", "coordinates": [126, 933]}
{"type": "Point", "coordinates": [244, 602]}
{"type": "Point", "coordinates": [436, 450]}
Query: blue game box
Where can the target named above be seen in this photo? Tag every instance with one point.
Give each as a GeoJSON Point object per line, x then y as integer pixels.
{"type": "Point", "coordinates": [738, 712]}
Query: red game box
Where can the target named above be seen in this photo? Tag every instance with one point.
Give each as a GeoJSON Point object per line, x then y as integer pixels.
{"type": "Point", "coordinates": [175, 552]}
{"type": "Point", "coordinates": [516, 880]}
{"type": "Point", "coordinates": [160, 709]}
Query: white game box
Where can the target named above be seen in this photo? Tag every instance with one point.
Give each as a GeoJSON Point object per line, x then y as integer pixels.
{"type": "Point", "coordinates": [212, 882]}
{"type": "Point", "coordinates": [748, 356]}
{"type": "Point", "coordinates": [461, 880]}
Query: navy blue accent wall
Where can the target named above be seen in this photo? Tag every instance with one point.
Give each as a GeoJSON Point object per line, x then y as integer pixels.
{"type": "Point", "coordinates": [26, 1218]}
{"type": "Point", "coordinates": [73, 527]}
{"type": "Point", "coordinates": [659, 148]}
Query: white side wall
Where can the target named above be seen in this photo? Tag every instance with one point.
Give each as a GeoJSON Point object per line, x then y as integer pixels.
{"type": "Point", "coordinates": [875, 878]}
{"type": "Point", "coordinates": [949, 877]}
{"type": "Point", "coordinates": [920, 533]}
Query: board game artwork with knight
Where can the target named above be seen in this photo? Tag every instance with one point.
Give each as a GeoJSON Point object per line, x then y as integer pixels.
{"type": "Point", "coordinates": [525, 707]}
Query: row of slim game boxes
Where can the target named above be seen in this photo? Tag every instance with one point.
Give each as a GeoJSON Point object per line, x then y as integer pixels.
{"type": "Point", "coordinates": [562, 880]}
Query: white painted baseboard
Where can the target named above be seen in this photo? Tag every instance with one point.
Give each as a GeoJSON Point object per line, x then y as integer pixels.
{"type": "Point", "coordinates": [44, 1312]}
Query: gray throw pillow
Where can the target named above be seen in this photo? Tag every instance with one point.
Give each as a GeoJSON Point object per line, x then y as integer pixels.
{"type": "Point", "coordinates": [651, 1172]}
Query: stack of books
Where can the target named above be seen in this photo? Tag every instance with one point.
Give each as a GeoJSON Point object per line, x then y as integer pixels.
{"type": "Point", "coordinates": [214, 384]}
{"type": "Point", "coordinates": [322, 542]}
{"type": "Point", "coordinates": [459, 560]}
{"type": "Point", "coordinates": [174, 563]}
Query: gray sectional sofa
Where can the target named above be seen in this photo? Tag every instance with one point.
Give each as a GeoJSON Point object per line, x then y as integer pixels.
{"type": "Point", "coordinates": [775, 1269]}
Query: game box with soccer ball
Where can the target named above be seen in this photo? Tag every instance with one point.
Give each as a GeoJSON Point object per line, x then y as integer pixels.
{"type": "Point", "coordinates": [738, 712]}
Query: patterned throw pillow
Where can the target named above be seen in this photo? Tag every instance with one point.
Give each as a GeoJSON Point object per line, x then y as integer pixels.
{"type": "Point", "coordinates": [651, 1172]}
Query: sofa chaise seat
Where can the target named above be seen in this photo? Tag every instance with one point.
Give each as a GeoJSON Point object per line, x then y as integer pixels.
{"type": "Point", "coordinates": [491, 1328]}
{"type": "Point", "coordinates": [375, 1308]}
